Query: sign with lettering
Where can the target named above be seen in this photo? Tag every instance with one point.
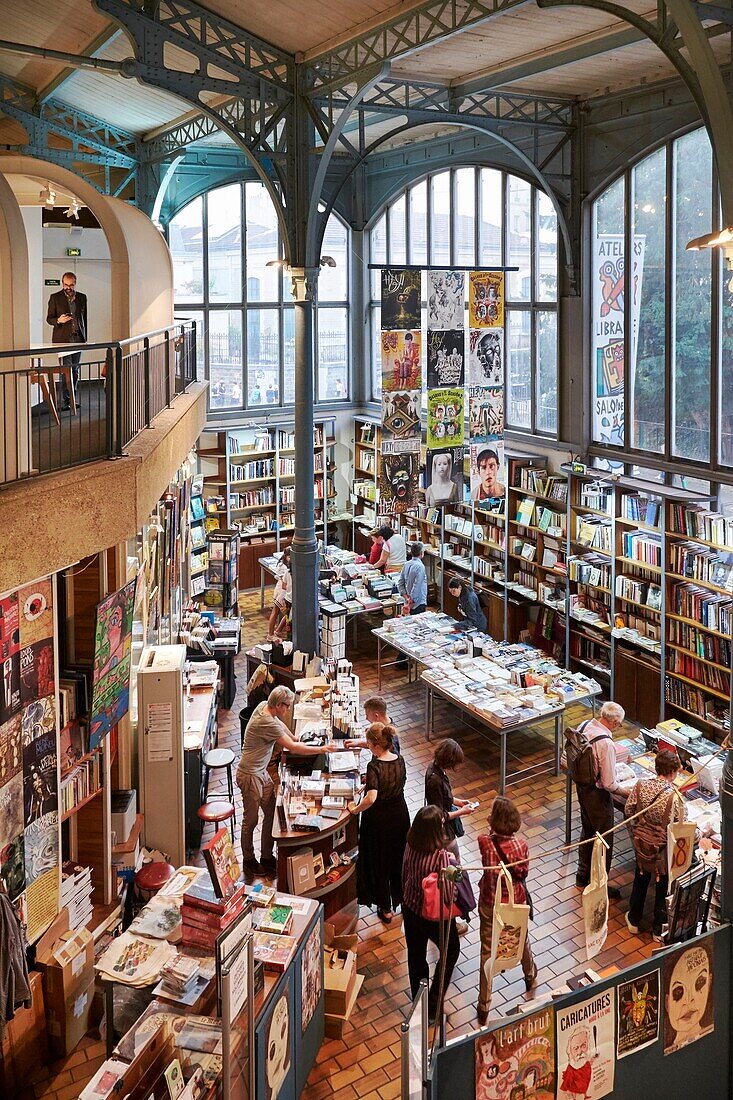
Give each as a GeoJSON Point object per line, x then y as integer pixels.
{"type": "Point", "coordinates": [73, 252]}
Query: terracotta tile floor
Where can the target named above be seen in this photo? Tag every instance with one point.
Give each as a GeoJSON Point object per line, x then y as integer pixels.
{"type": "Point", "coordinates": [365, 1063]}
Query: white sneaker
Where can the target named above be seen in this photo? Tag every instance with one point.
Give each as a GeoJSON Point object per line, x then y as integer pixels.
{"type": "Point", "coordinates": [631, 927]}
{"type": "Point", "coordinates": [461, 927]}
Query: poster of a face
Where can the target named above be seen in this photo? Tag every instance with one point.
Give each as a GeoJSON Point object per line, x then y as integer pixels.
{"type": "Point", "coordinates": [401, 416]}
{"type": "Point", "coordinates": [445, 359]}
{"type": "Point", "coordinates": [398, 482]}
{"type": "Point", "coordinates": [485, 357]}
{"type": "Point", "coordinates": [112, 647]}
{"type": "Point", "coordinates": [445, 418]}
{"type": "Point", "coordinates": [401, 360]}
{"type": "Point", "coordinates": [486, 413]}
{"type": "Point", "coordinates": [585, 1048]}
{"type": "Point", "coordinates": [401, 296]}
{"type": "Point", "coordinates": [310, 976]}
{"type": "Point", "coordinates": [35, 604]}
{"type": "Point", "coordinates": [446, 299]}
{"type": "Point", "coordinates": [277, 1053]}
{"type": "Point", "coordinates": [518, 1060]}
{"type": "Point", "coordinates": [638, 1013]}
{"type": "Point", "coordinates": [486, 299]}
{"type": "Point", "coordinates": [688, 995]}
{"type": "Point", "coordinates": [487, 471]}
{"type": "Point", "coordinates": [444, 477]}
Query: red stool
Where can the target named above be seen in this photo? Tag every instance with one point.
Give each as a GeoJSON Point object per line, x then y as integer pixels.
{"type": "Point", "coordinates": [152, 876]}
{"type": "Point", "coordinates": [217, 812]}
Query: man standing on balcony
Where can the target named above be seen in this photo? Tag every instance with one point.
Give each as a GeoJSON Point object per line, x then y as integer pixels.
{"type": "Point", "coordinates": [67, 314]}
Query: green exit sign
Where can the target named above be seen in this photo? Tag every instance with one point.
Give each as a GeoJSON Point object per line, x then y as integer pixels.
{"type": "Point", "coordinates": [73, 252]}
{"type": "Point", "coordinates": [52, 282]}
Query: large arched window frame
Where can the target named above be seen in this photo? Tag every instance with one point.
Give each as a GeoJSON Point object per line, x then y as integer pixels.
{"type": "Point", "coordinates": [221, 243]}
{"type": "Point", "coordinates": [678, 339]}
{"type": "Point", "coordinates": [472, 215]}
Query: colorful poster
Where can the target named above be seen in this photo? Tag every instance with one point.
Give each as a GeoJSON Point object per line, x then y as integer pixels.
{"type": "Point", "coordinates": [518, 1060]}
{"type": "Point", "coordinates": [40, 765]}
{"type": "Point", "coordinates": [398, 483]}
{"type": "Point", "coordinates": [638, 1013]}
{"type": "Point", "coordinates": [443, 477]}
{"type": "Point", "coordinates": [112, 648]}
{"type": "Point", "coordinates": [277, 1048]}
{"type": "Point", "coordinates": [401, 295]}
{"type": "Point", "coordinates": [607, 347]}
{"type": "Point", "coordinates": [311, 978]}
{"type": "Point", "coordinates": [35, 603]}
{"type": "Point", "coordinates": [42, 846]}
{"type": "Point", "coordinates": [36, 671]}
{"type": "Point", "coordinates": [445, 354]}
{"type": "Point", "coordinates": [445, 418]}
{"type": "Point", "coordinates": [688, 995]}
{"type": "Point", "coordinates": [38, 718]}
{"type": "Point", "coordinates": [586, 1049]}
{"type": "Point", "coordinates": [485, 357]}
{"type": "Point", "coordinates": [401, 420]}
{"type": "Point", "coordinates": [11, 810]}
{"type": "Point", "coordinates": [486, 413]}
{"type": "Point", "coordinates": [487, 472]}
{"type": "Point", "coordinates": [11, 749]}
{"type": "Point", "coordinates": [486, 299]}
{"type": "Point", "coordinates": [401, 360]}
{"type": "Point", "coordinates": [446, 296]}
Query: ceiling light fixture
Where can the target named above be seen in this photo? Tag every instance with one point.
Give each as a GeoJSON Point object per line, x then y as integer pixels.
{"type": "Point", "coordinates": [325, 261]}
{"type": "Point", "coordinates": [47, 196]}
{"type": "Point", "coordinates": [72, 210]}
{"type": "Point", "coordinates": [717, 239]}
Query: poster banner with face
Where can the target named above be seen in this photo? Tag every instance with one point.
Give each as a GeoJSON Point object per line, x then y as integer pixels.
{"type": "Point", "coordinates": [401, 360]}
{"type": "Point", "coordinates": [277, 1048]}
{"type": "Point", "coordinates": [486, 413]}
{"type": "Point", "coordinates": [398, 483]}
{"type": "Point", "coordinates": [638, 1013]}
{"type": "Point", "coordinates": [607, 349]}
{"type": "Point", "coordinates": [485, 357]}
{"type": "Point", "coordinates": [446, 300]}
{"type": "Point", "coordinates": [586, 1049]}
{"type": "Point", "coordinates": [39, 777]}
{"type": "Point", "coordinates": [445, 418]}
{"type": "Point", "coordinates": [486, 299]}
{"type": "Point", "coordinates": [445, 354]}
{"type": "Point", "coordinates": [401, 292]}
{"type": "Point", "coordinates": [401, 420]}
{"type": "Point", "coordinates": [443, 477]}
{"type": "Point", "coordinates": [41, 853]}
{"type": "Point", "coordinates": [688, 995]}
{"type": "Point", "coordinates": [518, 1060]}
{"type": "Point", "coordinates": [487, 473]}
{"type": "Point", "coordinates": [111, 674]}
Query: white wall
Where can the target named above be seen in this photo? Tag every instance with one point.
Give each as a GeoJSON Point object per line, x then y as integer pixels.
{"type": "Point", "coordinates": [33, 221]}
{"type": "Point", "coordinates": [93, 275]}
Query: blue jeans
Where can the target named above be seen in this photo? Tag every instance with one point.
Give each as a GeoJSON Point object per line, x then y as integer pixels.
{"type": "Point", "coordinates": [72, 361]}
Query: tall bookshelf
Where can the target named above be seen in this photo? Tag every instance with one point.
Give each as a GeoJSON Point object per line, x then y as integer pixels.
{"type": "Point", "coordinates": [367, 438]}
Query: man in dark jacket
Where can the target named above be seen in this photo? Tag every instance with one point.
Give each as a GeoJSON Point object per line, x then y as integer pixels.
{"type": "Point", "coordinates": [67, 314]}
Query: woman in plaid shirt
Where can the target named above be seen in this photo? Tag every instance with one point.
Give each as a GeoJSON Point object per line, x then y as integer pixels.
{"type": "Point", "coordinates": [501, 845]}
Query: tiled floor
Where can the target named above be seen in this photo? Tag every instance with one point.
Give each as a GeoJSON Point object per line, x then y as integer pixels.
{"type": "Point", "coordinates": [365, 1063]}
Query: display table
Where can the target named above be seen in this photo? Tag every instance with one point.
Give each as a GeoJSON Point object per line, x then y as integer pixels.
{"type": "Point", "coordinates": [340, 835]}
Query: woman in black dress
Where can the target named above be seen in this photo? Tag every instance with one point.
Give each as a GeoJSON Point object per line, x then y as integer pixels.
{"type": "Point", "coordinates": [384, 826]}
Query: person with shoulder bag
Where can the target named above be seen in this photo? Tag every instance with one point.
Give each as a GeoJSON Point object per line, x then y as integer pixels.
{"type": "Point", "coordinates": [663, 805]}
{"type": "Point", "coordinates": [501, 845]}
{"type": "Point", "coordinates": [439, 792]}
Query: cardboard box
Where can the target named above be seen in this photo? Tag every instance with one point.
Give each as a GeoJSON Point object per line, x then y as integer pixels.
{"type": "Point", "coordinates": [69, 1021]}
{"type": "Point", "coordinates": [124, 811]}
{"type": "Point", "coordinates": [25, 1044]}
{"type": "Point", "coordinates": [339, 978]}
{"type": "Point", "coordinates": [334, 1023]}
{"type": "Point", "coordinates": [68, 967]}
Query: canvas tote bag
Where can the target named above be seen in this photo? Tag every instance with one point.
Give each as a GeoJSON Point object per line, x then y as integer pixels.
{"type": "Point", "coordinates": [680, 846]}
{"type": "Point", "coordinates": [509, 929]}
{"type": "Point", "coordinates": [595, 901]}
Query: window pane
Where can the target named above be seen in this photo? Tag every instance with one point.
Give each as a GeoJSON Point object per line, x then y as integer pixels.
{"type": "Point", "coordinates": [546, 398]}
{"type": "Point", "coordinates": [333, 281]}
{"type": "Point", "coordinates": [263, 245]}
{"type": "Point", "coordinates": [464, 216]}
{"type": "Point", "coordinates": [289, 355]}
{"type": "Point", "coordinates": [692, 282]}
{"type": "Point", "coordinates": [418, 242]}
{"type": "Point", "coordinates": [648, 342]}
{"type": "Point", "coordinates": [224, 218]}
{"type": "Point", "coordinates": [378, 253]}
{"type": "Point", "coordinates": [376, 345]}
{"type": "Point", "coordinates": [198, 317]}
{"type": "Point", "coordinates": [225, 358]}
{"type": "Point", "coordinates": [607, 319]}
{"type": "Point", "coordinates": [519, 238]}
{"type": "Point", "coordinates": [519, 369]}
{"type": "Point", "coordinates": [546, 250]}
{"type": "Point", "coordinates": [397, 239]}
{"type": "Point", "coordinates": [333, 355]}
{"type": "Point", "coordinates": [440, 219]}
{"type": "Point", "coordinates": [263, 356]}
{"type": "Point", "coordinates": [185, 239]}
{"type": "Point", "coordinates": [726, 368]}
{"type": "Point", "coordinates": [491, 218]}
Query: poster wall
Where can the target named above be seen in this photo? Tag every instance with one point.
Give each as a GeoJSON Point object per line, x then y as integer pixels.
{"type": "Point", "coordinates": [401, 351]}
{"type": "Point", "coordinates": [486, 387]}
{"type": "Point", "coordinates": [446, 394]}
{"type": "Point", "coordinates": [608, 324]}
{"type": "Point", "coordinates": [29, 818]}
{"type": "Point", "coordinates": [518, 1060]}
{"type": "Point", "coordinates": [112, 656]}
{"type": "Point", "coordinates": [586, 1048]}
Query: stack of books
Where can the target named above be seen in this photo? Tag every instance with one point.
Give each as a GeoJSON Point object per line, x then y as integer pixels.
{"type": "Point", "coordinates": [277, 920]}
{"type": "Point", "coordinates": [205, 916]}
{"type": "Point", "coordinates": [179, 977]}
{"type": "Point", "coordinates": [76, 893]}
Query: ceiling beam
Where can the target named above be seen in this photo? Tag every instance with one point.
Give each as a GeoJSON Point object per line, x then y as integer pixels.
{"type": "Point", "coordinates": [92, 49]}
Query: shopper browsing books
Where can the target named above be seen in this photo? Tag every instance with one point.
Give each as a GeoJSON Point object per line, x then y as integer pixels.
{"type": "Point", "coordinates": [469, 608]}
{"type": "Point", "coordinates": [426, 855]}
{"type": "Point", "coordinates": [663, 805]}
{"type": "Point", "coordinates": [394, 551]}
{"type": "Point", "coordinates": [501, 845]}
{"type": "Point", "coordinates": [377, 543]}
{"type": "Point", "coordinates": [413, 581]}
{"type": "Point", "coordinates": [375, 710]}
{"type": "Point", "coordinates": [384, 824]}
{"type": "Point", "coordinates": [283, 595]}
{"type": "Point", "coordinates": [265, 729]}
{"type": "Point", "coordinates": [439, 792]}
{"type": "Point", "coordinates": [595, 801]}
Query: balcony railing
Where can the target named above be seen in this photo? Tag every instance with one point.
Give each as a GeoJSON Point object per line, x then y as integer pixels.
{"type": "Point", "coordinates": [115, 391]}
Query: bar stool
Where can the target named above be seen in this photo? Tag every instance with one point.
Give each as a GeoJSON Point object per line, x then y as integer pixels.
{"type": "Point", "coordinates": [217, 812]}
{"type": "Point", "coordinates": [220, 758]}
{"type": "Point", "coordinates": [152, 876]}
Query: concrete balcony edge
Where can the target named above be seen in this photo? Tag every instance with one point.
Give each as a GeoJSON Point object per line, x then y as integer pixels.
{"type": "Point", "coordinates": [51, 521]}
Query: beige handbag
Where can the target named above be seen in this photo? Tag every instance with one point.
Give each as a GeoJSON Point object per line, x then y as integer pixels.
{"type": "Point", "coordinates": [509, 929]}
{"type": "Point", "coordinates": [595, 901]}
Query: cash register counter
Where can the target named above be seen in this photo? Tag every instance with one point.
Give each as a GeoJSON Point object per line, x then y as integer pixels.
{"type": "Point", "coordinates": [340, 835]}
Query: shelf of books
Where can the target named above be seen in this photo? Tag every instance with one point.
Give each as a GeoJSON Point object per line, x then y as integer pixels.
{"type": "Point", "coordinates": [590, 524]}
{"type": "Point", "coordinates": [367, 437]}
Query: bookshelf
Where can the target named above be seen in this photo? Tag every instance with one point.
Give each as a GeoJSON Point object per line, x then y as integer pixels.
{"type": "Point", "coordinates": [367, 439]}
{"type": "Point", "coordinates": [590, 515]}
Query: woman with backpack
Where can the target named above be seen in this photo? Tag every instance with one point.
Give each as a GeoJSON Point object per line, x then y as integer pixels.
{"type": "Point", "coordinates": [663, 805]}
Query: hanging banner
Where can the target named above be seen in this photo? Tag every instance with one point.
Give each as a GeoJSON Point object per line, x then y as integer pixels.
{"type": "Point", "coordinates": [445, 418]}
{"type": "Point", "coordinates": [607, 349]}
{"type": "Point", "coordinates": [401, 351]}
{"type": "Point", "coordinates": [446, 380]}
{"type": "Point", "coordinates": [446, 300]}
{"type": "Point", "coordinates": [486, 299]}
{"type": "Point", "coordinates": [445, 358]}
{"type": "Point", "coordinates": [401, 360]}
{"type": "Point", "coordinates": [688, 995]}
{"type": "Point", "coordinates": [444, 477]}
{"type": "Point", "coordinates": [638, 1013]}
{"type": "Point", "coordinates": [486, 389]}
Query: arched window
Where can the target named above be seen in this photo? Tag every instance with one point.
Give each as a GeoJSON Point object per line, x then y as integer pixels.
{"type": "Point", "coordinates": [662, 337]}
{"type": "Point", "coordinates": [221, 243]}
{"type": "Point", "coordinates": [479, 216]}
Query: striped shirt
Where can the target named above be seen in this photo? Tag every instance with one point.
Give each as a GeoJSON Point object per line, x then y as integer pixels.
{"type": "Point", "coordinates": [415, 867]}
{"type": "Point", "coordinates": [514, 849]}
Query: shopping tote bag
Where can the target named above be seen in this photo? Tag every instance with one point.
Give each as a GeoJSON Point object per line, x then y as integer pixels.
{"type": "Point", "coordinates": [509, 930]}
{"type": "Point", "coordinates": [595, 901]}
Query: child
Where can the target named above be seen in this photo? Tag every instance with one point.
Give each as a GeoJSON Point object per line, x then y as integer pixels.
{"type": "Point", "coordinates": [283, 594]}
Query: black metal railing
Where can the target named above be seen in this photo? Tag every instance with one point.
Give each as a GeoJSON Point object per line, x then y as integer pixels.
{"type": "Point", "coordinates": [63, 405]}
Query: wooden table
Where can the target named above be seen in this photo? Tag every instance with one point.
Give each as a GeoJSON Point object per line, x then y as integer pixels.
{"type": "Point", "coordinates": [44, 377]}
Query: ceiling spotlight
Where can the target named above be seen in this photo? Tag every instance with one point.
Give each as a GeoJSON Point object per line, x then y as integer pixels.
{"type": "Point", "coordinates": [275, 263]}
{"type": "Point", "coordinates": [327, 261]}
{"type": "Point", "coordinates": [321, 208]}
{"type": "Point", "coordinates": [710, 240]}
{"type": "Point", "coordinates": [72, 210]}
{"type": "Point", "coordinates": [47, 196]}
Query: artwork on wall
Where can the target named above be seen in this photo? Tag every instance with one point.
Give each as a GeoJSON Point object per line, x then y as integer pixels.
{"type": "Point", "coordinates": [586, 1061]}
{"type": "Point", "coordinates": [518, 1060]}
{"type": "Point", "coordinates": [311, 981]}
{"type": "Point", "coordinates": [112, 652]}
{"type": "Point", "coordinates": [638, 1013]}
{"type": "Point", "coordinates": [688, 995]}
{"type": "Point", "coordinates": [401, 348]}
